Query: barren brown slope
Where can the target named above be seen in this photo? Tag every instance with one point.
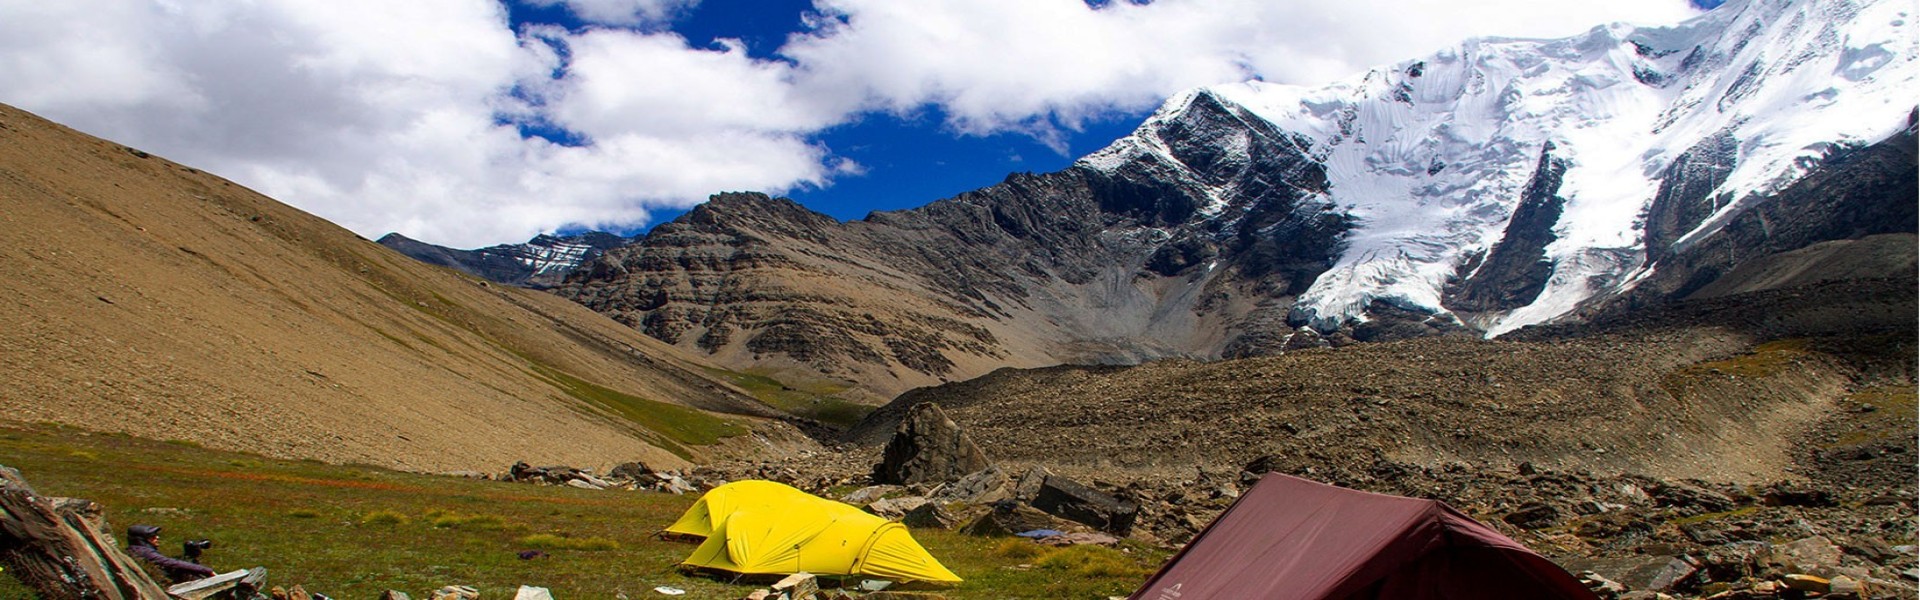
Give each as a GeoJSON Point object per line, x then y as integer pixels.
{"type": "Point", "coordinates": [147, 297]}
{"type": "Point", "coordinates": [1723, 389]}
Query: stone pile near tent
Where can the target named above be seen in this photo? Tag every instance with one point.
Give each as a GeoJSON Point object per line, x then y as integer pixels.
{"type": "Point", "coordinates": [1642, 538]}
{"type": "Point", "coordinates": [627, 476]}
{"type": "Point", "coordinates": [1632, 537]}
{"type": "Point", "coordinates": [932, 474]}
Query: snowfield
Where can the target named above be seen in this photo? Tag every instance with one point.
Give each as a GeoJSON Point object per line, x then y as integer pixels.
{"type": "Point", "coordinates": [1431, 156]}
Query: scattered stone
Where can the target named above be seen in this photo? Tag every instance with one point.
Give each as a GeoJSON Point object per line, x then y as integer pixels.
{"type": "Point", "coordinates": [1733, 562]}
{"type": "Point", "coordinates": [1691, 499]}
{"type": "Point", "coordinates": [1072, 501]}
{"type": "Point", "coordinates": [631, 471]}
{"type": "Point", "coordinates": [1705, 534]}
{"type": "Point", "coordinates": [1534, 515]}
{"type": "Point", "coordinates": [527, 592]}
{"type": "Point", "coordinates": [1806, 583]}
{"type": "Point", "coordinates": [1610, 525]}
{"type": "Point", "coordinates": [673, 484]}
{"type": "Point", "coordinates": [1606, 589]}
{"type": "Point", "coordinates": [1261, 466]}
{"type": "Point", "coordinates": [1815, 554]}
{"type": "Point", "coordinates": [587, 476]}
{"type": "Point", "coordinates": [1870, 548]}
{"type": "Point", "coordinates": [1843, 584]}
{"type": "Point", "coordinates": [759, 595]}
{"type": "Point", "coordinates": [1645, 595]}
{"type": "Point", "coordinates": [798, 586]}
{"type": "Point", "coordinates": [895, 508]}
{"type": "Point", "coordinates": [1078, 539]}
{"type": "Point", "coordinates": [1030, 483]}
{"type": "Point", "coordinates": [1591, 507]}
{"type": "Point", "coordinates": [455, 592]}
{"type": "Point", "coordinates": [928, 447]}
{"type": "Point", "coordinates": [930, 516]}
{"type": "Point", "coordinates": [867, 495]}
{"type": "Point", "coordinates": [1008, 518]}
{"type": "Point", "coordinates": [1304, 338]}
{"type": "Point", "coordinates": [1675, 573]}
{"type": "Point", "coordinates": [1786, 495]}
{"type": "Point", "coordinates": [556, 475]}
{"type": "Point", "coordinates": [979, 487]}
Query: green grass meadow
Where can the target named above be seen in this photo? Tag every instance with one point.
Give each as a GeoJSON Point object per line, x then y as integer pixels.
{"type": "Point", "coordinates": [814, 400]}
{"type": "Point", "coordinates": [351, 532]}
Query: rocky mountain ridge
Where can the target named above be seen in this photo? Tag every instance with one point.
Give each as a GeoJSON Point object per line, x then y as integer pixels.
{"type": "Point", "coordinates": [1491, 186]}
{"type": "Point", "coordinates": [540, 262]}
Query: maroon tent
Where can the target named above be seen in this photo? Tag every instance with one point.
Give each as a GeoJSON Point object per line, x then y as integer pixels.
{"type": "Point", "coordinates": [1290, 538]}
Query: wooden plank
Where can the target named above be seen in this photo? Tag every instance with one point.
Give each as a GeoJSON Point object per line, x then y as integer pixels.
{"type": "Point", "coordinates": [60, 548]}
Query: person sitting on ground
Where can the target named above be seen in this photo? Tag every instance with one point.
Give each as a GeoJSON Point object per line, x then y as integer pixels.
{"type": "Point", "coordinates": [142, 543]}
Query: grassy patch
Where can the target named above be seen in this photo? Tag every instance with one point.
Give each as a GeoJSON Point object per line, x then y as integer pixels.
{"type": "Point", "coordinates": [1892, 405]}
{"type": "Point", "coordinates": [815, 401]}
{"type": "Point", "coordinates": [1765, 360]}
{"type": "Point", "coordinates": [679, 423]}
{"type": "Point", "coordinates": [1715, 516]}
{"type": "Point", "coordinates": [441, 520]}
{"type": "Point", "coordinates": [1019, 568]}
{"type": "Point", "coordinates": [1019, 549]}
{"type": "Point", "coordinates": [261, 511]}
{"type": "Point", "coordinates": [548, 541]}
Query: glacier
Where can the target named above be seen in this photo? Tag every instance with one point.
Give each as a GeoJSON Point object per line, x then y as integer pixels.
{"type": "Point", "coordinates": [1430, 156]}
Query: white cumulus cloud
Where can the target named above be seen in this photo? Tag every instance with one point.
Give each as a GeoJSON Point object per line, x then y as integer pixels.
{"type": "Point", "coordinates": [998, 64]}
{"type": "Point", "coordinates": [622, 12]}
{"type": "Point", "coordinates": [407, 116]}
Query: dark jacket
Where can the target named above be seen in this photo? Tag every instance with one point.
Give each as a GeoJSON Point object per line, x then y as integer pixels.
{"type": "Point", "coordinates": [177, 570]}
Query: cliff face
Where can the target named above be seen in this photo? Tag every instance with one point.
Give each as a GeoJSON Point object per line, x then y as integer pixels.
{"type": "Point", "coordinates": [1088, 265]}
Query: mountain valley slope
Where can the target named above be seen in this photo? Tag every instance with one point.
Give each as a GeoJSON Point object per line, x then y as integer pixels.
{"type": "Point", "coordinates": [147, 297]}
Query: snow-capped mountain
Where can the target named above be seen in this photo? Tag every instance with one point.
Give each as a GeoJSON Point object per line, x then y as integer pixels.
{"type": "Point", "coordinates": [1487, 187]}
{"type": "Point", "coordinates": [541, 261]}
{"type": "Point", "coordinates": [1432, 159]}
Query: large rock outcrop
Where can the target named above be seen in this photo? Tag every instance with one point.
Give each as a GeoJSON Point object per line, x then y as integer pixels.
{"type": "Point", "coordinates": [928, 448]}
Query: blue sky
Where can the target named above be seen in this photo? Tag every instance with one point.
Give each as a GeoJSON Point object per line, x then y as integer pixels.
{"type": "Point", "coordinates": [476, 122]}
{"type": "Point", "coordinates": [909, 159]}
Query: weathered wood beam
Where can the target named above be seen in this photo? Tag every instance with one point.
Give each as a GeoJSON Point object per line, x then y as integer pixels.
{"type": "Point", "coordinates": [60, 548]}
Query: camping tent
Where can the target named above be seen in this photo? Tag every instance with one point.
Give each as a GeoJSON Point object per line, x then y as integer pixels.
{"type": "Point", "coordinates": [1290, 538]}
{"type": "Point", "coordinates": [762, 527]}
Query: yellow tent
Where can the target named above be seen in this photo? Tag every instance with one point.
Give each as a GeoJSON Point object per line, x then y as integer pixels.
{"type": "Point", "coordinates": [762, 527]}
